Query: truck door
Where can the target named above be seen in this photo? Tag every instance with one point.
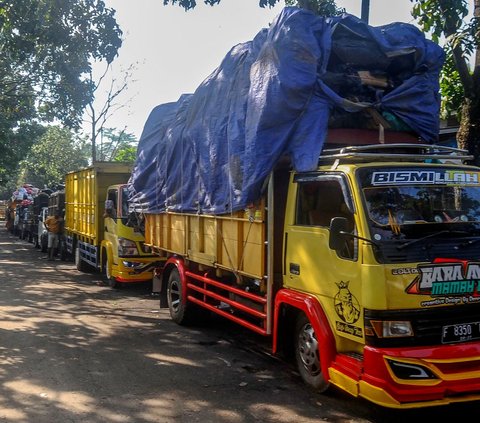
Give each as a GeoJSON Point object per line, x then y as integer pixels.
{"type": "Point", "coordinates": [111, 214]}
{"type": "Point", "coordinates": [310, 265]}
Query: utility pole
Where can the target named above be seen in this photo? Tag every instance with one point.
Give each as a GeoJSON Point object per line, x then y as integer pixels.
{"type": "Point", "coordinates": [365, 10]}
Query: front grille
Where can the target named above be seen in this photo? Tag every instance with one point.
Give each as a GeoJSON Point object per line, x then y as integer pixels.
{"type": "Point", "coordinates": [427, 324]}
{"type": "Point", "coordinates": [426, 251]}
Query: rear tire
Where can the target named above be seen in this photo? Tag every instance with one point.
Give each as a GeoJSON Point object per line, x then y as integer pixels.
{"type": "Point", "coordinates": [307, 355]}
{"type": "Point", "coordinates": [62, 250]}
{"type": "Point", "coordinates": [79, 263]}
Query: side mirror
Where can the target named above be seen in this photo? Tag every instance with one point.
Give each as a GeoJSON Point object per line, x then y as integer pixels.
{"type": "Point", "coordinates": [338, 227]}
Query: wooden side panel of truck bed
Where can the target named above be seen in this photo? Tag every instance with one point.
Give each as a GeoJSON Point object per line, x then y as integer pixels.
{"type": "Point", "coordinates": [229, 242]}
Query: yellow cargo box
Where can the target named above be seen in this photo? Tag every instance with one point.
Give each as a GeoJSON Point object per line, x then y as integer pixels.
{"type": "Point", "coordinates": [85, 197]}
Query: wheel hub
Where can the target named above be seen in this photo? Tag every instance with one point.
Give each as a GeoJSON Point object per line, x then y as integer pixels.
{"type": "Point", "coordinates": [308, 349]}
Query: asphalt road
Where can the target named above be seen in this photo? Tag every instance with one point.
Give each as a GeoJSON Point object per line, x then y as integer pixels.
{"type": "Point", "coordinates": [73, 351]}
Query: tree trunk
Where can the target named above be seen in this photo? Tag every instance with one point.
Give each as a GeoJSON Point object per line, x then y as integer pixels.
{"type": "Point", "coordinates": [93, 135]}
{"type": "Point", "coordinates": [468, 136]}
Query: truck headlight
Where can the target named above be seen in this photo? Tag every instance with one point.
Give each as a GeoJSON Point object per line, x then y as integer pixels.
{"type": "Point", "coordinates": [127, 247]}
{"type": "Point", "coordinates": [392, 328]}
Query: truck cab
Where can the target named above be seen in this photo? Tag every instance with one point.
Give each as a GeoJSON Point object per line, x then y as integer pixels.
{"type": "Point", "coordinates": [383, 245]}
{"type": "Point", "coordinates": [125, 257]}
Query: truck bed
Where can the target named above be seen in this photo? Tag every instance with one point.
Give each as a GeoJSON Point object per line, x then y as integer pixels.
{"type": "Point", "coordinates": [231, 242]}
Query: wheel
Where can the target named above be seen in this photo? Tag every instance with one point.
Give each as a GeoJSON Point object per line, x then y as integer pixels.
{"type": "Point", "coordinates": [307, 355]}
{"type": "Point", "coordinates": [36, 242]}
{"type": "Point", "coordinates": [62, 250]}
{"type": "Point", "coordinates": [106, 270]}
{"type": "Point", "coordinates": [79, 263]}
{"type": "Point", "coordinates": [44, 243]}
{"type": "Point", "coordinates": [180, 311]}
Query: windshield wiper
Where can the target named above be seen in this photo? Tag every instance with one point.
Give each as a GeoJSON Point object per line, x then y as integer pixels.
{"type": "Point", "coordinates": [414, 241]}
{"type": "Point", "coordinates": [466, 243]}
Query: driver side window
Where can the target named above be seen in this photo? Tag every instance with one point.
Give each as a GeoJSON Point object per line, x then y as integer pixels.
{"type": "Point", "coordinates": [112, 196]}
{"type": "Point", "coordinates": [318, 202]}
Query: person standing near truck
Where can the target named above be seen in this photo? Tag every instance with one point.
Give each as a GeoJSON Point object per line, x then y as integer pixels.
{"type": "Point", "coordinates": [53, 225]}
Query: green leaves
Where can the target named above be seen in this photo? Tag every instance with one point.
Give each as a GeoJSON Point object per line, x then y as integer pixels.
{"type": "Point", "coordinates": [189, 4]}
{"type": "Point", "coordinates": [446, 20]}
{"type": "Point", "coordinates": [440, 17]}
{"type": "Point", "coordinates": [46, 48]}
{"type": "Point", "coordinates": [118, 146]}
{"type": "Point", "coordinates": [451, 90]}
{"type": "Point", "coordinates": [320, 7]}
{"type": "Point", "coordinates": [56, 153]}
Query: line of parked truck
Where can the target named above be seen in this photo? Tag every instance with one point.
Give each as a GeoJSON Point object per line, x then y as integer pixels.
{"type": "Point", "coordinates": [355, 251]}
{"type": "Point", "coordinates": [97, 231]}
{"type": "Point", "coordinates": [25, 212]}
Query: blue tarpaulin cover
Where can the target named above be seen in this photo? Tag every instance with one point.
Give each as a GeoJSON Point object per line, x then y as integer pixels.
{"type": "Point", "coordinates": [211, 151]}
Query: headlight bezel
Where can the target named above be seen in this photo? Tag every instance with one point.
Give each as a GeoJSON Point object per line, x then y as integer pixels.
{"type": "Point", "coordinates": [392, 328]}
{"type": "Point", "coordinates": [127, 247]}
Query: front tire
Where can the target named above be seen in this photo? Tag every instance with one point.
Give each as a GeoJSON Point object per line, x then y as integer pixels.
{"type": "Point", "coordinates": [307, 355]}
{"type": "Point", "coordinates": [180, 311]}
{"type": "Point", "coordinates": [107, 269]}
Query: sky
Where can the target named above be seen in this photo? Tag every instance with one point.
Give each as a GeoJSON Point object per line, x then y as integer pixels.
{"type": "Point", "coordinates": [175, 50]}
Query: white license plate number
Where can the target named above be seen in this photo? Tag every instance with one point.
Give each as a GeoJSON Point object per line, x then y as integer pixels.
{"type": "Point", "coordinates": [461, 332]}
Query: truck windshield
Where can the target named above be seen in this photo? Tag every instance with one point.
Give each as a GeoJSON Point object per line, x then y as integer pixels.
{"type": "Point", "coordinates": [432, 211]}
{"type": "Point", "coordinates": [124, 209]}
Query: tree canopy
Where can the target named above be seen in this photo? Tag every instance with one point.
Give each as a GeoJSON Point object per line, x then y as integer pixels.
{"type": "Point", "coordinates": [56, 153]}
{"type": "Point", "coordinates": [47, 48]}
{"type": "Point", "coordinates": [321, 7]}
{"type": "Point", "coordinates": [14, 146]}
{"type": "Point", "coordinates": [447, 19]}
{"type": "Point", "coordinates": [117, 146]}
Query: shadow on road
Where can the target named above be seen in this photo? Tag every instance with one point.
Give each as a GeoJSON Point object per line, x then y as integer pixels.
{"type": "Point", "coordinates": [72, 351]}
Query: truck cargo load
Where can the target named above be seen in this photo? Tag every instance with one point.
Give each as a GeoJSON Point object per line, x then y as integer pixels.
{"type": "Point", "coordinates": [277, 95]}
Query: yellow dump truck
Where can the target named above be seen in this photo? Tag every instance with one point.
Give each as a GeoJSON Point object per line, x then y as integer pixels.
{"type": "Point", "coordinates": [367, 268]}
{"type": "Point", "coordinates": [98, 230]}
{"type": "Point", "coordinates": [274, 209]}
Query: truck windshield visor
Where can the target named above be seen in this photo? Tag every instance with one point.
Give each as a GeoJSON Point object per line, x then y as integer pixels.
{"type": "Point", "coordinates": [429, 199]}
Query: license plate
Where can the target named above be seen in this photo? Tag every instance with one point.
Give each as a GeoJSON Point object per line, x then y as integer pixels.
{"type": "Point", "coordinates": [461, 332]}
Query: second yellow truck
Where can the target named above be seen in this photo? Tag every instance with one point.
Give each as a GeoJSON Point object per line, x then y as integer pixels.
{"type": "Point", "coordinates": [99, 232]}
